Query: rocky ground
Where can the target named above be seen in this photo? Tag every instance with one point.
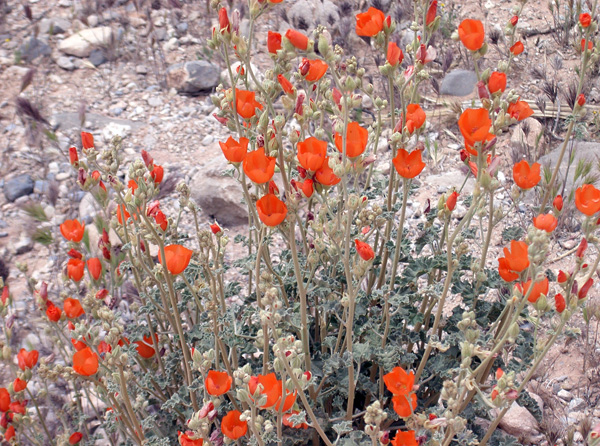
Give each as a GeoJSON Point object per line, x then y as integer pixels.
{"type": "Point", "coordinates": [145, 74]}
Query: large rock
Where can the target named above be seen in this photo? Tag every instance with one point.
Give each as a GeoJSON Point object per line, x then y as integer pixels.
{"type": "Point", "coordinates": [519, 423]}
{"type": "Point", "coordinates": [34, 48]}
{"type": "Point", "coordinates": [527, 132]}
{"type": "Point", "coordinates": [193, 77]}
{"type": "Point", "coordinates": [459, 83]}
{"type": "Point", "coordinates": [219, 196]}
{"type": "Point", "coordinates": [85, 41]}
{"type": "Point", "coordinates": [54, 25]}
{"type": "Point", "coordinates": [18, 186]}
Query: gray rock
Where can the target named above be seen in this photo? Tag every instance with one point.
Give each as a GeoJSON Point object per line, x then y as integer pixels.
{"type": "Point", "coordinates": [71, 120]}
{"type": "Point", "coordinates": [219, 196]}
{"type": "Point", "coordinates": [18, 186]}
{"type": "Point", "coordinates": [565, 395]}
{"type": "Point", "coordinates": [527, 132]}
{"type": "Point", "coordinates": [65, 63]}
{"type": "Point", "coordinates": [182, 28]}
{"type": "Point", "coordinates": [458, 83]}
{"type": "Point", "coordinates": [141, 69]}
{"type": "Point", "coordinates": [577, 404]}
{"type": "Point", "coordinates": [82, 43]}
{"type": "Point", "coordinates": [41, 187]}
{"type": "Point", "coordinates": [54, 25]}
{"type": "Point", "coordinates": [23, 245]}
{"type": "Point", "coordinates": [113, 129]}
{"type": "Point", "coordinates": [34, 48]}
{"type": "Point", "coordinates": [88, 207]}
{"type": "Point", "coordinates": [193, 77]}
{"type": "Point", "coordinates": [97, 57]}
{"type": "Point", "coordinates": [155, 101]}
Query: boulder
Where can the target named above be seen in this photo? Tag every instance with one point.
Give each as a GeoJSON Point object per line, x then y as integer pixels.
{"type": "Point", "coordinates": [18, 186]}
{"type": "Point", "coordinates": [519, 423]}
{"type": "Point", "coordinates": [193, 77]}
{"type": "Point", "coordinates": [85, 41]}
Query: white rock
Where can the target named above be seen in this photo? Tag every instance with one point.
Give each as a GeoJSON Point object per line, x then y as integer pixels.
{"type": "Point", "coordinates": [113, 129]}
{"type": "Point", "coordinates": [82, 43]}
{"type": "Point", "coordinates": [565, 395]}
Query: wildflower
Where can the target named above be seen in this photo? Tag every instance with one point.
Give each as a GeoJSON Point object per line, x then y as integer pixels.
{"type": "Point", "coordinates": [10, 433]}
{"type": "Point", "coordinates": [395, 55]}
{"type": "Point", "coordinates": [157, 174]}
{"type": "Point", "coordinates": [186, 440]}
{"type": "Point", "coordinates": [19, 385]}
{"type": "Point", "coordinates": [289, 423]}
{"type": "Point", "coordinates": [75, 269]}
{"type": "Point", "coordinates": [72, 230]}
{"type": "Point", "coordinates": [415, 117]}
{"type": "Point", "coordinates": [431, 12]}
{"type": "Point", "coordinates": [312, 153]}
{"type": "Point", "coordinates": [224, 20]}
{"type": "Point", "coordinates": [514, 261]}
{"type": "Point", "coordinates": [4, 400]}
{"type": "Point", "coordinates": [94, 267]}
{"type": "Point", "coordinates": [54, 313]}
{"type": "Point", "coordinates": [177, 258]}
{"type": "Point", "coordinates": [499, 373]}
{"type": "Point", "coordinates": [497, 82]}
{"type": "Point", "coordinates": [514, 20]}
{"type": "Point", "coordinates": [558, 203]}
{"type": "Point", "coordinates": [73, 157]}
{"type": "Point", "coordinates": [517, 48]}
{"type": "Point", "coordinates": [364, 250]}
{"type": "Point", "coordinates": [73, 308]}
{"type": "Point", "coordinates": [316, 70]}
{"type": "Point", "coordinates": [405, 439]}
{"type": "Point", "coordinates": [235, 151]}
{"type": "Point", "coordinates": [399, 382]}
{"type": "Point", "coordinates": [325, 175]}
{"type": "Point", "coordinates": [273, 42]}
{"type": "Point", "coordinates": [585, 288]}
{"type": "Point", "coordinates": [217, 383]}
{"type": "Point", "coordinates": [582, 248]}
{"type": "Point", "coordinates": [286, 85]}
{"type": "Point", "coordinates": [79, 345]}
{"type": "Point", "coordinates": [590, 45]}
{"type": "Point", "coordinates": [87, 140]}
{"type": "Point", "coordinates": [246, 103]}
{"type": "Point", "coordinates": [75, 437]}
{"type": "Point", "coordinates": [144, 347]}
{"type": "Point", "coordinates": [404, 404]}
{"type": "Point", "coordinates": [587, 199]}
{"type": "Point", "coordinates": [232, 427]}
{"type": "Point", "coordinates": [526, 176]}
{"type": "Point", "coordinates": [581, 100]}
{"type": "Point", "coordinates": [560, 303]}
{"type": "Point", "coordinates": [474, 125]}
{"type": "Point", "coordinates": [356, 140]}
{"type": "Point", "coordinates": [519, 110]}
{"type": "Point", "coordinates": [370, 23]}
{"type": "Point", "coordinates": [259, 167]}
{"type": "Point", "coordinates": [306, 186]}
{"type": "Point", "coordinates": [471, 34]}
{"type": "Point", "coordinates": [585, 20]}
{"type": "Point", "coordinates": [562, 277]}
{"type": "Point", "coordinates": [85, 362]}
{"type": "Point", "coordinates": [122, 214]}
{"type": "Point", "coordinates": [545, 222]}
{"type": "Point", "coordinates": [215, 228]}
{"type": "Point", "coordinates": [27, 360]}
{"type": "Point", "coordinates": [451, 201]}
{"type": "Point", "coordinates": [271, 210]}
{"type": "Point", "coordinates": [408, 165]}
{"type": "Point", "coordinates": [297, 39]}
{"type": "Point", "coordinates": [104, 347]}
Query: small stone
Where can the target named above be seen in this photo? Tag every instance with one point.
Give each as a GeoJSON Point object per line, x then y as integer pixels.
{"type": "Point", "coordinates": [65, 63]}
{"type": "Point", "coordinates": [113, 129]}
{"type": "Point", "coordinates": [34, 48]}
{"type": "Point", "coordinates": [155, 101]}
{"type": "Point", "coordinates": [41, 187]}
{"type": "Point", "coordinates": [97, 57]}
{"type": "Point", "coordinates": [54, 25]}
{"type": "Point", "coordinates": [23, 245]}
{"type": "Point", "coordinates": [565, 395]}
{"type": "Point", "coordinates": [182, 28]}
{"type": "Point", "coordinates": [577, 404]}
{"type": "Point", "coordinates": [93, 20]}
{"type": "Point", "coordinates": [208, 139]}
{"type": "Point", "coordinates": [141, 69]}
{"type": "Point", "coordinates": [18, 186]}
{"type": "Point", "coordinates": [82, 43]}
{"type": "Point", "coordinates": [458, 83]}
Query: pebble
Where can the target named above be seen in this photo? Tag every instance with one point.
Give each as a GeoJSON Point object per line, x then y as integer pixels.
{"type": "Point", "coordinates": [155, 101]}
{"type": "Point", "coordinates": [65, 63]}
{"type": "Point", "coordinates": [141, 69]}
{"type": "Point", "coordinates": [576, 404]}
{"type": "Point", "coordinates": [207, 140]}
{"type": "Point", "coordinates": [565, 395]}
{"type": "Point", "coordinates": [25, 244]}
{"type": "Point", "coordinates": [62, 176]}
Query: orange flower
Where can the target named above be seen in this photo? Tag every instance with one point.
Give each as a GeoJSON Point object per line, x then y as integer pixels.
{"type": "Point", "coordinates": [590, 45]}
{"type": "Point", "coordinates": [145, 347]}
{"type": "Point", "coordinates": [273, 42]}
{"type": "Point", "coordinates": [369, 23]}
{"type": "Point", "coordinates": [316, 69]}
{"type": "Point", "coordinates": [474, 125]}
{"type": "Point", "coordinates": [451, 201]}
{"type": "Point", "coordinates": [27, 360]}
{"type": "Point", "coordinates": [231, 425]}
{"type": "Point", "coordinates": [519, 110]}
{"type": "Point", "coordinates": [325, 175]}
{"type": "Point", "coordinates": [404, 404]}
{"type": "Point", "coordinates": [19, 385]}
{"type": "Point", "coordinates": [517, 48]}
{"type": "Point", "coordinates": [177, 258]}
{"type": "Point", "coordinates": [356, 140]}
{"type": "Point", "coordinates": [415, 117]}
{"type": "Point", "coordinates": [94, 267]}
{"type": "Point", "coordinates": [514, 261]}
{"type": "Point", "coordinates": [157, 173]}
{"type": "Point", "coordinates": [72, 230]}
{"type": "Point", "coordinates": [4, 400]}
{"type": "Point", "coordinates": [364, 250]}
{"type": "Point", "coordinates": [271, 210]}
{"type": "Point", "coordinates": [53, 313]}
{"type": "Point", "coordinates": [545, 222]}
{"type": "Point", "coordinates": [560, 303]}
{"type": "Point", "coordinates": [399, 382]}
{"type": "Point", "coordinates": [271, 388]}
{"type": "Point", "coordinates": [246, 103]}
{"type": "Point", "coordinates": [297, 39]}
{"type": "Point", "coordinates": [405, 439]}
{"type": "Point", "coordinates": [289, 423]}
{"type": "Point", "coordinates": [538, 289]}
{"type": "Point", "coordinates": [497, 82]}
{"type": "Point", "coordinates": [75, 438]}
{"type": "Point", "coordinates": [85, 362]}
{"type": "Point", "coordinates": [87, 140]}
{"type": "Point", "coordinates": [286, 85]}
{"type": "Point", "coordinates": [10, 433]}
{"type": "Point", "coordinates": [217, 383]}
{"type": "Point", "coordinates": [587, 199]}
{"type": "Point", "coordinates": [73, 308]}
{"type": "Point", "coordinates": [75, 269]}
{"type": "Point", "coordinates": [471, 34]}
{"type": "Point", "coordinates": [234, 151]}
{"type": "Point", "coordinates": [408, 165]}
{"type": "Point", "coordinates": [79, 345]}
{"type": "Point", "coordinates": [312, 153]}
{"type": "Point", "coordinates": [431, 12]}
{"type": "Point", "coordinates": [395, 55]}
{"type": "Point", "coordinates": [585, 19]}
{"type": "Point", "coordinates": [122, 214]}
{"type": "Point", "coordinates": [526, 176]}
{"type": "Point", "coordinates": [185, 440]}
{"type": "Point", "coordinates": [259, 167]}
